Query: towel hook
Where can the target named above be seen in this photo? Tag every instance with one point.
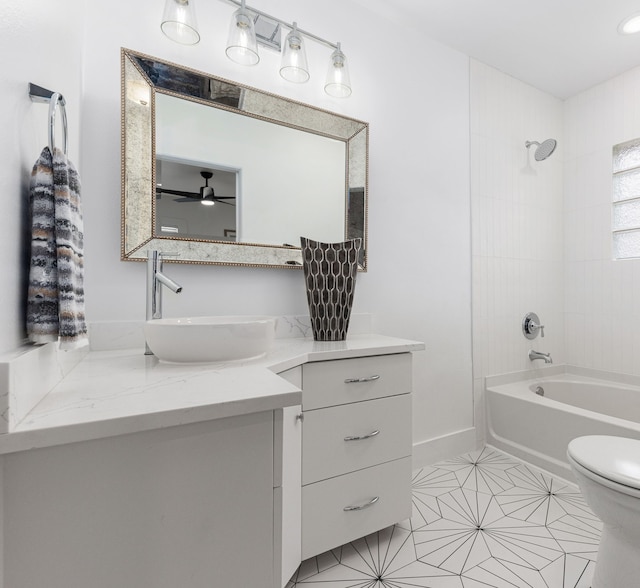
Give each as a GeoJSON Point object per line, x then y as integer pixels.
{"type": "Point", "coordinates": [39, 94]}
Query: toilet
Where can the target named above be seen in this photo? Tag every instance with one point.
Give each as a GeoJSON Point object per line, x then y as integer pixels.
{"type": "Point", "coordinates": [607, 470]}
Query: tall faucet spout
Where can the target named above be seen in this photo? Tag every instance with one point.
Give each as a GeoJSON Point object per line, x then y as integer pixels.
{"type": "Point", "coordinates": [168, 282]}
{"type": "Point", "coordinates": [155, 280]}
{"type": "Point", "coordinates": [538, 355]}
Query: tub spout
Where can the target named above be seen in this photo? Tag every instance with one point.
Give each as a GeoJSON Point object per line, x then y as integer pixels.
{"type": "Point", "coordinates": [537, 355]}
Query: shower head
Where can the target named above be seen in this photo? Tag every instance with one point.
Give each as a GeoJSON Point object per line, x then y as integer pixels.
{"type": "Point", "coordinates": [544, 149]}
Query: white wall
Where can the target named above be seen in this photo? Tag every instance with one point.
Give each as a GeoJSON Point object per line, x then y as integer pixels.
{"type": "Point", "coordinates": [418, 285]}
{"type": "Point", "coordinates": [517, 224]}
{"type": "Point", "coordinates": [602, 295]}
{"type": "Point", "coordinates": [33, 50]}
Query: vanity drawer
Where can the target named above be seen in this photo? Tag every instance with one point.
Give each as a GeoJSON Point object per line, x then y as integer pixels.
{"type": "Point", "coordinates": [326, 451]}
{"type": "Point", "coordinates": [325, 523]}
{"type": "Point", "coordinates": [330, 383]}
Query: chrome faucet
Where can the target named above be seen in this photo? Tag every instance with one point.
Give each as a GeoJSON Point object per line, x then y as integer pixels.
{"type": "Point", "coordinates": [155, 280]}
{"type": "Point", "coordinates": [537, 355]}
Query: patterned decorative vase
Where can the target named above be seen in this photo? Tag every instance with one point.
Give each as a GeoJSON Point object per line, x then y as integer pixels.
{"type": "Point", "coordinates": [330, 271]}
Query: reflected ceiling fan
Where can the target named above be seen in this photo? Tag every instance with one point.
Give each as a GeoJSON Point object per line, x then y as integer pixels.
{"type": "Point", "coordinates": [206, 195]}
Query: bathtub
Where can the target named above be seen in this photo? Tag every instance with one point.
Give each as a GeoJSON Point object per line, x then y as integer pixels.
{"type": "Point", "coordinates": [534, 415]}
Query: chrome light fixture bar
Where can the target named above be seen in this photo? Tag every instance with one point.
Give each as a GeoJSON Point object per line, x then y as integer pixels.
{"type": "Point", "coordinates": [249, 27]}
{"type": "Point", "coordinates": [284, 23]}
{"type": "Point", "coordinates": [294, 67]}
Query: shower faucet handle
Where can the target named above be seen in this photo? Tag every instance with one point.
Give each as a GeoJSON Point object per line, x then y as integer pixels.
{"type": "Point", "coordinates": [531, 325]}
{"type": "Point", "coordinates": [535, 326]}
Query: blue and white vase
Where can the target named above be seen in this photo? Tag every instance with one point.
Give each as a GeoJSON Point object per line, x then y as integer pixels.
{"type": "Point", "coordinates": [330, 271]}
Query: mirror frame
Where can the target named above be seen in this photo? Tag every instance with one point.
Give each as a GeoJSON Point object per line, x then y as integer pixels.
{"type": "Point", "coordinates": [138, 167]}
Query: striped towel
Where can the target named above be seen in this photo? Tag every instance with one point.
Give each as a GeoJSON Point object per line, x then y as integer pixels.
{"type": "Point", "coordinates": [55, 299]}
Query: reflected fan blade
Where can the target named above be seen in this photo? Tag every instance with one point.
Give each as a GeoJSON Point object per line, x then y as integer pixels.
{"type": "Point", "coordinates": [178, 193]}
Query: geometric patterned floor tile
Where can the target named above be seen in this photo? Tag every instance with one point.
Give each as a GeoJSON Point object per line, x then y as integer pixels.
{"type": "Point", "coordinates": [481, 520]}
{"type": "Point", "coordinates": [539, 498]}
{"type": "Point", "coordinates": [483, 471]}
{"type": "Point", "coordinates": [427, 485]}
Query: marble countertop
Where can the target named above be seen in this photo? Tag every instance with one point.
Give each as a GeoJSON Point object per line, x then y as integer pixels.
{"type": "Point", "coordinates": [120, 392]}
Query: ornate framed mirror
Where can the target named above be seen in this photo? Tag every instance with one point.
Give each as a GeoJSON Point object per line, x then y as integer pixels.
{"type": "Point", "coordinates": [221, 173]}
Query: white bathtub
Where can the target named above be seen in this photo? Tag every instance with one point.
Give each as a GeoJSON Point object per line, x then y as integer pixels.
{"type": "Point", "coordinates": [576, 402]}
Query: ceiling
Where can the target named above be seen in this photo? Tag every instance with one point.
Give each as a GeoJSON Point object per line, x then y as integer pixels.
{"type": "Point", "coordinates": [559, 46]}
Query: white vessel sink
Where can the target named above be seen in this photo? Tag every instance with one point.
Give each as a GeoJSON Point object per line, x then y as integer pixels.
{"type": "Point", "coordinates": [209, 338]}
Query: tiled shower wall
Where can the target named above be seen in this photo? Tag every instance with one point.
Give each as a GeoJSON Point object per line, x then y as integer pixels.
{"type": "Point", "coordinates": [602, 296]}
{"type": "Point", "coordinates": [517, 225]}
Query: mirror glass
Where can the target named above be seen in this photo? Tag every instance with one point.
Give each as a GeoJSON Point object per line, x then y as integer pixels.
{"type": "Point", "coordinates": [217, 172]}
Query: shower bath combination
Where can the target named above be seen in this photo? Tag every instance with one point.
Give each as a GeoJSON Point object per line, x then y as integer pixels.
{"type": "Point", "coordinates": [544, 149]}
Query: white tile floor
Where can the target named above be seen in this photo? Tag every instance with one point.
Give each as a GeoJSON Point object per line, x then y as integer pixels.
{"type": "Point", "coordinates": [480, 520]}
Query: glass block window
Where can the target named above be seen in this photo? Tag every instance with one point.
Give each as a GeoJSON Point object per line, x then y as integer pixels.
{"type": "Point", "coordinates": [626, 200]}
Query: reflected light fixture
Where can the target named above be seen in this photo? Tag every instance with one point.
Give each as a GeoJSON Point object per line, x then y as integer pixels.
{"type": "Point", "coordinates": [242, 46]}
{"type": "Point", "coordinates": [294, 66]}
{"type": "Point", "coordinates": [206, 192]}
{"type": "Point", "coordinates": [138, 91]}
{"type": "Point", "coordinates": [179, 22]}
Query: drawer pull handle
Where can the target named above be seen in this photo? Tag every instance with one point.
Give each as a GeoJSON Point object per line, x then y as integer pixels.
{"type": "Point", "coordinates": [358, 380]}
{"type": "Point", "coordinates": [362, 506]}
{"type": "Point", "coordinates": [372, 434]}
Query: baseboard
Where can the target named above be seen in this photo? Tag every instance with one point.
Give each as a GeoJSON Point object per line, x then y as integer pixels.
{"type": "Point", "coordinates": [431, 451]}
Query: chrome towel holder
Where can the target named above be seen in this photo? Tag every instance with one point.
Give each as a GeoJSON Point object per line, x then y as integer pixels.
{"type": "Point", "coordinates": [39, 94]}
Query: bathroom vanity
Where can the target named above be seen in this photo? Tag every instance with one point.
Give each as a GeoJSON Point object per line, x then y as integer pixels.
{"type": "Point", "coordinates": [356, 448]}
{"type": "Point", "coordinates": [130, 472]}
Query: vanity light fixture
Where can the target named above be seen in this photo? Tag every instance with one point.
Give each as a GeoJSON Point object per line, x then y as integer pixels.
{"type": "Point", "coordinates": [179, 22]}
{"type": "Point", "coordinates": [294, 66]}
{"type": "Point", "coordinates": [250, 27]}
{"type": "Point", "coordinates": [242, 45]}
{"type": "Point", "coordinates": [630, 25]}
{"type": "Point", "coordinates": [338, 83]}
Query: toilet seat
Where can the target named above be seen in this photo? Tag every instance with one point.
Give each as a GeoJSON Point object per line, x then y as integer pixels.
{"type": "Point", "coordinates": [612, 461]}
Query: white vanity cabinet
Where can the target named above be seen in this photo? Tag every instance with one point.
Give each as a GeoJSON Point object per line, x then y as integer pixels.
{"type": "Point", "coordinates": [287, 473]}
{"type": "Point", "coordinates": [189, 505]}
{"type": "Point", "coordinates": [356, 448]}
{"type": "Point", "coordinates": [130, 473]}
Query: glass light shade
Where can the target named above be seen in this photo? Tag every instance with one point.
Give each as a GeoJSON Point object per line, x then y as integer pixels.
{"type": "Point", "coordinates": [179, 22]}
{"type": "Point", "coordinates": [338, 82]}
{"type": "Point", "coordinates": [294, 66]}
{"type": "Point", "coordinates": [242, 46]}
